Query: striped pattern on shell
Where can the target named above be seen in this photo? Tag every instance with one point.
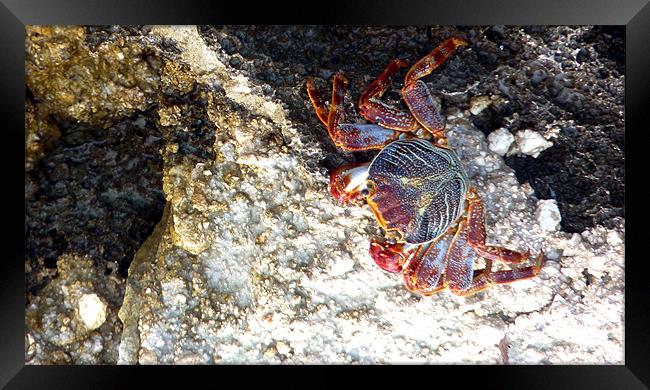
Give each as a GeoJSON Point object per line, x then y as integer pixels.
{"type": "Point", "coordinates": [419, 188]}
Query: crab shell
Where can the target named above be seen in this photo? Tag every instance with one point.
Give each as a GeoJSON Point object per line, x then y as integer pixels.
{"type": "Point", "coordinates": [417, 189]}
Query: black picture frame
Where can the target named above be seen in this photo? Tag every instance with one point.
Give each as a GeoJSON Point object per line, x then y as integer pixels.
{"type": "Point", "coordinates": [15, 14]}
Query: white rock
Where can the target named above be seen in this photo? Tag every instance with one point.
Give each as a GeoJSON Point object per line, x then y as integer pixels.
{"type": "Point", "coordinates": [283, 348]}
{"type": "Point", "coordinates": [500, 140]}
{"type": "Point", "coordinates": [548, 215]}
{"type": "Point", "coordinates": [613, 238]}
{"type": "Point", "coordinates": [478, 104]}
{"type": "Point", "coordinates": [531, 143]}
{"type": "Point", "coordinates": [92, 311]}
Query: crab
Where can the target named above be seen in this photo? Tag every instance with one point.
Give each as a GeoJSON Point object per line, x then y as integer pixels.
{"type": "Point", "coordinates": [432, 218]}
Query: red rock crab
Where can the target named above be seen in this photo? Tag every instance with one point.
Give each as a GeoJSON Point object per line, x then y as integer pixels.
{"type": "Point", "coordinates": [416, 186]}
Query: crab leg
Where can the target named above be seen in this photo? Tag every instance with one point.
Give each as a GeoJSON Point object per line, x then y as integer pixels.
{"type": "Point", "coordinates": [351, 136]}
{"type": "Point", "coordinates": [348, 136]}
{"type": "Point", "coordinates": [361, 137]}
{"type": "Point", "coordinates": [417, 95]}
{"type": "Point", "coordinates": [480, 281]}
{"type": "Point", "coordinates": [485, 278]}
{"type": "Point", "coordinates": [427, 290]}
{"type": "Point", "coordinates": [435, 58]}
{"type": "Point", "coordinates": [512, 275]}
{"type": "Point", "coordinates": [476, 233]}
{"type": "Point", "coordinates": [424, 108]}
{"type": "Point", "coordinates": [322, 111]}
{"type": "Point", "coordinates": [423, 273]}
{"type": "Point", "coordinates": [459, 273]}
{"type": "Point", "coordinates": [374, 110]}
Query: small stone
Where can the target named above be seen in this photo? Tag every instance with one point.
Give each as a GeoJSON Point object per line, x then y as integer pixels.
{"type": "Point", "coordinates": [613, 238]}
{"type": "Point", "coordinates": [575, 245]}
{"type": "Point", "coordinates": [531, 143]}
{"type": "Point", "coordinates": [500, 141]}
{"type": "Point", "coordinates": [478, 104]}
{"type": "Point", "coordinates": [92, 311]}
{"type": "Point", "coordinates": [30, 347]}
{"type": "Point", "coordinates": [569, 272]}
{"type": "Point", "coordinates": [548, 215]}
{"type": "Point", "coordinates": [283, 348]}
{"type": "Point", "coordinates": [236, 61]}
{"type": "Point", "coordinates": [270, 353]}
{"type": "Point", "coordinates": [553, 254]}
{"type": "Point", "coordinates": [583, 55]}
{"type": "Point", "coordinates": [140, 123]}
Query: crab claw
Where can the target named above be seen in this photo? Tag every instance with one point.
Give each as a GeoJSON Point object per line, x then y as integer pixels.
{"type": "Point", "coordinates": [347, 183]}
{"type": "Point", "coordinates": [389, 257]}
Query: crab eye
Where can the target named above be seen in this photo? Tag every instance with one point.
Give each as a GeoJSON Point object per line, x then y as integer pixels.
{"type": "Point", "coordinates": [365, 192]}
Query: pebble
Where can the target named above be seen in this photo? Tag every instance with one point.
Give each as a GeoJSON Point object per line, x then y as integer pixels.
{"type": "Point", "coordinates": [583, 55]}
{"type": "Point", "coordinates": [613, 238]}
{"type": "Point", "coordinates": [282, 348]}
{"type": "Point", "coordinates": [553, 254]}
{"type": "Point", "coordinates": [548, 215]}
{"type": "Point", "coordinates": [531, 143]}
{"type": "Point", "coordinates": [236, 61]}
{"type": "Point", "coordinates": [500, 140]}
{"type": "Point", "coordinates": [30, 347]}
{"type": "Point", "coordinates": [478, 104]}
{"type": "Point", "coordinates": [92, 311]}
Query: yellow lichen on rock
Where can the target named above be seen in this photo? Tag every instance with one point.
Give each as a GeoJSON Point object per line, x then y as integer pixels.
{"type": "Point", "coordinates": [97, 86]}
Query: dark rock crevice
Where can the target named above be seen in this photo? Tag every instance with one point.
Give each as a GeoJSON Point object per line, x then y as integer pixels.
{"type": "Point", "coordinates": [97, 193]}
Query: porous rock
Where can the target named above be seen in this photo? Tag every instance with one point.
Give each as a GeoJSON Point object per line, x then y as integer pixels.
{"type": "Point", "coordinates": [548, 215]}
{"type": "Point", "coordinates": [70, 321]}
{"type": "Point", "coordinates": [254, 262]}
{"type": "Point", "coordinates": [91, 85]}
{"type": "Point", "coordinates": [531, 143]}
{"type": "Point", "coordinates": [500, 141]}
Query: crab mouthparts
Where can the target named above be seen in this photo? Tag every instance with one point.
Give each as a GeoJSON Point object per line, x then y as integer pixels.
{"type": "Point", "coordinates": [358, 176]}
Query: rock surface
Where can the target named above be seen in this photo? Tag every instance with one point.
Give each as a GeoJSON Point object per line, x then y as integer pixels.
{"type": "Point", "coordinates": [61, 329]}
{"type": "Point", "coordinates": [253, 262]}
{"type": "Point", "coordinates": [95, 86]}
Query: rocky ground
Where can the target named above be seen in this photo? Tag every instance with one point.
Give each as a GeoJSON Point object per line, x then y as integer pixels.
{"type": "Point", "coordinates": [177, 207]}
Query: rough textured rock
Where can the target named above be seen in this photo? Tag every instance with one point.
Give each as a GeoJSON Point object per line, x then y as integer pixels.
{"type": "Point", "coordinates": [297, 285]}
{"type": "Point", "coordinates": [531, 75]}
{"type": "Point", "coordinates": [548, 215]}
{"type": "Point", "coordinates": [98, 193]}
{"type": "Point", "coordinates": [253, 262]}
{"type": "Point", "coordinates": [500, 141]}
{"type": "Point", "coordinates": [95, 86]}
{"type": "Point", "coordinates": [531, 143]}
{"type": "Point", "coordinates": [58, 330]}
